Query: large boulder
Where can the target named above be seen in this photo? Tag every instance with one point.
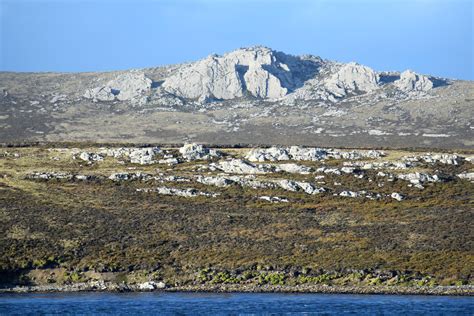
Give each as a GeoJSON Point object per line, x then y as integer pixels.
{"type": "Point", "coordinates": [89, 157]}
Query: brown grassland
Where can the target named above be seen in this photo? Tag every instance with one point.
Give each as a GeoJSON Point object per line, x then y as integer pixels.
{"type": "Point", "coordinates": [61, 231]}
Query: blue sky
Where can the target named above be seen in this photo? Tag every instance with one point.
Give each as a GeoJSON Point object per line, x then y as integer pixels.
{"type": "Point", "coordinates": [428, 36]}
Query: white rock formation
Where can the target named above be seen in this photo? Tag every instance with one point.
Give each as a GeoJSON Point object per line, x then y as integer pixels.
{"type": "Point", "coordinates": [350, 78]}
{"type": "Point", "coordinates": [59, 176]}
{"type": "Point", "coordinates": [268, 154]}
{"type": "Point", "coordinates": [292, 168]}
{"type": "Point", "coordinates": [348, 169]}
{"type": "Point", "coordinates": [50, 175]}
{"type": "Point", "coordinates": [160, 97]}
{"type": "Point", "coordinates": [273, 199]}
{"type": "Point", "coordinates": [351, 194]}
{"type": "Point", "coordinates": [100, 94]}
{"type": "Point", "coordinates": [410, 81]}
{"type": "Point", "coordinates": [144, 156]}
{"type": "Point", "coordinates": [128, 86]}
{"type": "Point", "coordinates": [151, 285]}
{"type": "Point", "coordinates": [130, 176]}
{"type": "Point", "coordinates": [90, 157]}
{"type": "Point", "coordinates": [327, 170]}
{"type": "Point", "coordinates": [216, 181]}
{"type": "Point", "coordinates": [239, 166]}
{"type": "Point", "coordinates": [466, 175]}
{"type": "Point", "coordinates": [258, 71]}
{"type": "Point", "coordinates": [418, 178]}
{"type": "Point", "coordinates": [170, 178]}
{"type": "Point", "coordinates": [397, 196]}
{"type": "Point", "coordinates": [223, 181]}
{"type": "Point", "coordinates": [448, 159]}
{"type": "Point", "coordinates": [393, 165]}
{"type": "Point", "coordinates": [188, 192]}
{"type": "Point", "coordinates": [195, 151]}
{"type": "Point", "coordinates": [262, 73]}
{"type": "Point", "coordinates": [295, 186]}
{"type": "Point", "coordinates": [169, 161]}
{"type": "Point", "coordinates": [139, 155]}
{"type": "Point", "coordinates": [308, 154]}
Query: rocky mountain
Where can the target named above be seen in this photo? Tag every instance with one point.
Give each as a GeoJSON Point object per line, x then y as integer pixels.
{"type": "Point", "coordinates": [250, 95]}
{"type": "Point", "coordinates": [262, 74]}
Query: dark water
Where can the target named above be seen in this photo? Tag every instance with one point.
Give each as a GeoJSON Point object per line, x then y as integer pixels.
{"type": "Point", "coordinates": [234, 304]}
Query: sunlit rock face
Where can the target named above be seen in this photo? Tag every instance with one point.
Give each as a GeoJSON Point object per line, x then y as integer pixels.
{"type": "Point", "coordinates": [255, 74]}
{"type": "Point", "coordinates": [411, 81]}
{"type": "Point", "coordinates": [125, 87]}
{"type": "Point", "coordinates": [352, 77]}
{"type": "Point", "coordinates": [256, 71]}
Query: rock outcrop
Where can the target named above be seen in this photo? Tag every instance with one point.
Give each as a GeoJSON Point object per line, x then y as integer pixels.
{"type": "Point", "coordinates": [90, 157]}
{"type": "Point", "coordinates": [295, 186]}
{"type": "Point", "coordinates": [410, 81]}
{"type": "Point", "coordinates": [467, 176]}
{"type": "Point", "coordinates": [273, 199]}
{"type": "Point", "coordinates": [129, 86]}
{"type": "Point", "coordinates": [143, 156]}
{"type": "Point", "coordinates": [256, 71]}
{"type": "Point", "coordinates": [239, 166]}
{"type": "Point", "coordinates": [419, 178]}
{"type": "Point", "coordinates": [307, 154]}
{"type": "Point", "coordinates": [60, 176]}
{"type": "Point", "coordinates": [195, 151]}
{"type": "Point", "coordinates": [292, 168]}
{"type": "Point", "coordinates": [352, 78]}
{"type": "Point", "coordinates": [448, 159]}
{"type": "Point", "coordinates": [188, 192]}
{"type": "Point", "coordinates": [130, 176]}
{"type": "Point", "coordinates": [397, 196]}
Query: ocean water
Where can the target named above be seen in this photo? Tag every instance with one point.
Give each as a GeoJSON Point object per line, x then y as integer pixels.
{"type": "Point", "coordinates": [230, 304]}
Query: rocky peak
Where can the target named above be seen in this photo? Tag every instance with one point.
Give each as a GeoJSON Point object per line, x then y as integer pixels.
{"type": "Point", "coordinates": [352, 77]}
{"type": "Point", "coordinates": [411, 81]}
{"type": "Point", "coordinates": [257, 71]}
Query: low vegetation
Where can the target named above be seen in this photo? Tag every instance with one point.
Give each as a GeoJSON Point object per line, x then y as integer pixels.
{"type": "Point", "coordinates": [67, 231]}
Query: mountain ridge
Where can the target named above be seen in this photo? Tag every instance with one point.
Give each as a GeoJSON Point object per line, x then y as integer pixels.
{"type": "Point", "coordinates": [263, 73]}
{"type": "Point", "coordinates": [251, 95]}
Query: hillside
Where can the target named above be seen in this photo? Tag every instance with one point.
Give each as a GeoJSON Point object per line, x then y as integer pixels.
{"type": "Point", "coordinates": [251, 95]}
{"type": "Point", "coordinates": [197, 218]}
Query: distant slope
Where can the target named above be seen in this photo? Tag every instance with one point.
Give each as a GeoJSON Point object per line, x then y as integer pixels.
{"type": "Point", "coordinates": [252, 95]}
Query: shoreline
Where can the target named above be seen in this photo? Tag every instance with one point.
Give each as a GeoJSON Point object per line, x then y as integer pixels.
{"type": "Point", "coordinates": [464, 290]}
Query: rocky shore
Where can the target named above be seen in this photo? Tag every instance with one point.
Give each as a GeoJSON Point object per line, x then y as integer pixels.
{"type": "Point", "coordinates": [98, 286]}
